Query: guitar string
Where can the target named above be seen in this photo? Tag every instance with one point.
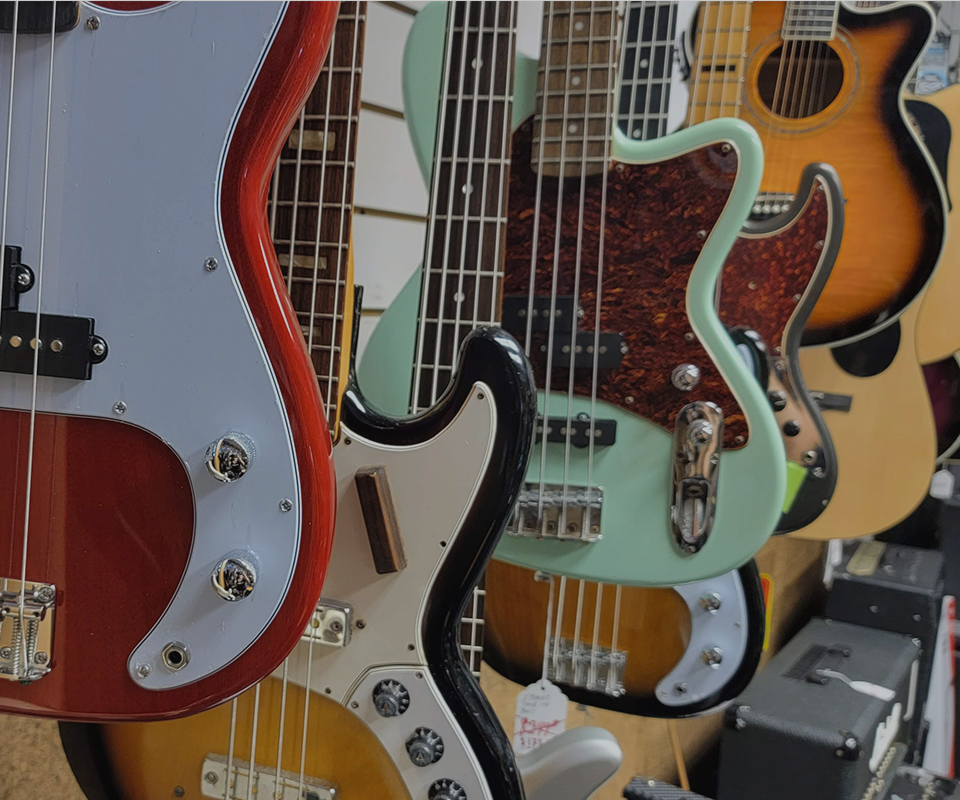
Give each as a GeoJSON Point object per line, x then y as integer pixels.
{"type": "Point", "coordinates": [37, 344]}
{"type": "Point", "coordinates": [632, 132]}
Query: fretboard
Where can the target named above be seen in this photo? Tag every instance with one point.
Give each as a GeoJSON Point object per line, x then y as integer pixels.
{"type": "Point", "coordinates": [647, 67]}
{"type": "Point", "coordinates": [575, 84]}
{"type": "Point", "coordinates": [810, 21]}
{"type": "Point", "coordinates": [466, 220]}
{"type": "Point", "coordinates": [310, 205]}
{"type": "Point", "coordinates": [719, 61]}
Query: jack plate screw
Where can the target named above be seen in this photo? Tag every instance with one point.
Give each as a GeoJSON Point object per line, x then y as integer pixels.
{"type": "Point", "coordinates": [93, 23]}
{"type": "Point", "coordinates": [119, 407]}
{"type": "Point", "coordinates": [98, 348]}
{"type": "Point", "coordinates": [143, 670]}
{"type": "Point", "coordinates": [40, 658]}
{"type": "Point", "coordinates": [286, 504]}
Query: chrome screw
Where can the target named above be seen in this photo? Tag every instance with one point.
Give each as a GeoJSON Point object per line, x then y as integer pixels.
{"type": "Point", "coordinates": [40, 658]}
{"type": "Point", "coordinates": [810, 457]}
{"type": "Point", "coordinates": [93, 23]}
{"type": "Point", "coordinates": [688, 336]}
{"type": "Point", "coordinates": [701, 234]}
{"type": "Point", "coordinates": [119, 407]}
{"type": "Point", "coordinates": [45, 594]}
{"type": "Point", "coordinates": [336, 626]}
{"type": "Point", "coordinates": [57, 346]}
{"type": "Point", "coordinates": [98, 348]}
{"type": "Point", "coordinates": [178, 791]}
{"type": "Point", "coordinates": [286, 505]}
{"type": "Point", "coordinates": [23, 279]}
{"type": "Point", "coordinates": [818, 472]}
{"type": "Point", "coordinates": [210, 264]}
{"type": "Point", "coordinates": [6, 652]}
{"type": "Point", "coordinates": [211, 778]}
{"type": "Point", "coordinates": [143, 670]}
{"type": "Point", "coordinates": [680, 689]}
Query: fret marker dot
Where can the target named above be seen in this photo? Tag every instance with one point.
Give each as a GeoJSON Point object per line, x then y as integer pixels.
{"type": "Point", "coordinates": [637, 133]}
{"type": "Point", "coordinates": [467, 188]}
{"type": "Point", "coordinates": [572, 127]}
{"type": "Point", "coordinates": [474, 63]}
{"type": "Point", "coordinates": [578, 25]}
{"type": "Point", "coordinates": [575, 80]}
{"type": "Point", "coordinates": [644, 63]}
{"type": "Point", "coordinates": [459, 297]}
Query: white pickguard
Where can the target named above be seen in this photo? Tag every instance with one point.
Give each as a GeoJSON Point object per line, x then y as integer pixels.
{"type": "Point", "coordinates": [432, 484]}
{"type": "Point", "coordinates": [142, 110]}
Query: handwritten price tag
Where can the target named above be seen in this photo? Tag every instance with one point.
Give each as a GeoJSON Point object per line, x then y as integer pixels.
{"type": "Point", "coordinates": [541, 715]}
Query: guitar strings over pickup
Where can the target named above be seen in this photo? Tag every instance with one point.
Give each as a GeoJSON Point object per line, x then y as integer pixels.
{"type": "Point", "coordinates": [603, 431]}
{"type": "Point", "coordinates": [560, 512]}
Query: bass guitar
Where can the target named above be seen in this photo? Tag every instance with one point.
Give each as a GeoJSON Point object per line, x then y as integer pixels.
{"type": "Point", "coordinates": [379, 670]}
{"type": "Point", "coordinates": [589, 508]}
{"type": "Point", "coordinates": [144, 339]}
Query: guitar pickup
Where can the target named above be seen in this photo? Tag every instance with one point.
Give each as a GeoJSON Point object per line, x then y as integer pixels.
{"type": "Point", "coordinates": [560, 512]}
{"type": "Point", "coordinates": [68, 345]}
{"type": "Point", "coordinates": [604, 431]}
{"type": "Point", "coordinates": [38, 18]}
{"type": "Point", "coordinates": [217, 782]}
{"type": "Point", "coordinates": [517, 311]}
{"type": "Point", "coordinates": [608, 351]}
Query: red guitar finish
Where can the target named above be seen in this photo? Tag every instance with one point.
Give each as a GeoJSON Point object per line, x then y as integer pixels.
{"type": "Point", "coordinates": [117, 534]}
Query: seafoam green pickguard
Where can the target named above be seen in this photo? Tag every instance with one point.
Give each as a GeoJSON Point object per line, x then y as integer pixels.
{"type": "Point", "coordinates": [638, 546]}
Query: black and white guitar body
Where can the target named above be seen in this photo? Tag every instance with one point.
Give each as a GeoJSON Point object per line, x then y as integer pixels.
{"type": "Point", "coordinates": [386, 642]}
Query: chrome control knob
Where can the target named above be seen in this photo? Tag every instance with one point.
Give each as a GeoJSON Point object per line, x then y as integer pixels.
{"type": "Point", "coordinates": [446, 789]}
{"type": "Point", "coordinates": [390, 698]}
{"type": "Point", "coordinates": [229, 458]}
{"type": "Point", "coordinates": [425, 747]}
{"type": "Point", "coordinates": [233, 578]}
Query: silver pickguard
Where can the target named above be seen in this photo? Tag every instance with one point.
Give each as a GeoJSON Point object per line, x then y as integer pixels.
{"type": "Point", "coordinates": [143, 107]}
{"type": "Point", "coordinates": [433, 484]}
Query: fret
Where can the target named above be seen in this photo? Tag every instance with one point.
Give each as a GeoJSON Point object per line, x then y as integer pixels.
{"type": "Point", "coordinates": [496, 274]}
{"type": "Point", "coordinates": [328, 348]}
{"type": "Point", "coordinates": [316, 162]}
{"type": "Point", "coordinates": [305, 243]}
{"type": "Point", "coordinates": [719, 63]}
{"type": "Point", "coordinates": [471, 218]}
{"type": "Point", "coordinates": [810, 21]}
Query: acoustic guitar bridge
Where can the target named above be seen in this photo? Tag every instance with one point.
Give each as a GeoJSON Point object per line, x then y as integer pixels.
{"type": "Point", "coordinates": [26, 634]}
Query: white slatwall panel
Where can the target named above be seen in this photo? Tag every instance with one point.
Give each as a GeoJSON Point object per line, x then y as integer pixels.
{"type": "Point", "coordinates": [388, 177]}
{"type": "Point", "coordinates": [387, 31]}
{"type": "Point", "coordinates": [385, 254]}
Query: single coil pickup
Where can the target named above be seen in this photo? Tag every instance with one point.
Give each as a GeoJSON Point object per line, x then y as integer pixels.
{"type": "Point", "coordinates": [603, 431]}
{"type": "Point", "coordinates": [518, 313]}
{"type": "Point", "coordinates": [555, 511]}
{"type": "Point", "coordinates": [37, 18]}
{"type": "Point", "coordinates": [68, 347]}
{"type": "Point", "coordinates": [607, 351]}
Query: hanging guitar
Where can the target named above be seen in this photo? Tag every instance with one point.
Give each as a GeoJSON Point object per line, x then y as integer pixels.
{"type": "Point", "coordinates": [380, 656]}
{"type": "Point", "coordinates": [155, 392]}
{"type": "Point", "coordinates": [589, 508]}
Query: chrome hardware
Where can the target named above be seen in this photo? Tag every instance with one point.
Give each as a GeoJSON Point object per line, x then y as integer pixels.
{"type": "Point", "coordinates": [597, 669]}
{"type": "Point", "coordinates": [233, 578]}
{"type": "Point", "coordinates": [710, 602]}
{"type": "Point", "coordinates": [571, 512]}
{"type": "Point", "coordinates": [175, 656]}
{"type": "Point", "coordinates": [390, 698]}
{"type": "Point", "coordinates": [769, 204]}
{"type": "Point", "coordinates": [229, 458]}
{"type": "Point", "coordinates": [330, 625]}
{"type": "Point", "coordinates": [119, 407]}
{"type": "Point", "coordinates": [712, 656]}
{"type": "Point", "coordinates": [26, 639]}
{"type": "Point", "coordinates": [446, 789]}
{"type": "Point", "coordinates": [697, 440]}
{"type": "Point", "coordinates": [686, 377]}
{"type": "Point", "coordinates": [213, 779]}
{"type": "Point", "coordinates": [93, 23]}
{"type": "Point", "coordinates": [424, 747]}
{"type": "Point", "coordinates": [210, 264]}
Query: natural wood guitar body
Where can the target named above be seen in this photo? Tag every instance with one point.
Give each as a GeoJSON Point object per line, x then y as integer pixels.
{"type": "Point", "coordinates": [894, 213]}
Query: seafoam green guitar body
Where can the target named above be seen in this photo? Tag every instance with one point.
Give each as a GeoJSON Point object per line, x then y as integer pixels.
{"type": "Point", "coordinates": [638, 545]}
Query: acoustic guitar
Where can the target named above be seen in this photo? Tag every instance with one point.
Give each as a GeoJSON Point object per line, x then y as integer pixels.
{"type": "Point", "coordinates": [156, 390]}
{"type": "Point", "coordinates": [823, 82]}
{"type": "Point", "coordinates": [590, 509]}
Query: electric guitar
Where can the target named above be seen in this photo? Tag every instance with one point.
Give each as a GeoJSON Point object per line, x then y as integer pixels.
{"type": "Point", "coordinates": [380, 658]}
{"type": "Point", "coordinates": [169, 497]}
{"type": "Point", "coordinates": [823, 82]}
{"type": "Point", "coordinates": [590, 509]}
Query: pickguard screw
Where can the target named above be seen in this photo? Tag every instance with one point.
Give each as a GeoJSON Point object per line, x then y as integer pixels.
{"type": "Point", "coordinates": [98, 348]}
{"type": "Point", "coordinates": [211, 778]}
{"type": "Point", "coordinates": [701, 234]}
{"type": "Point", "coordinates": [740, 439]}
{"type": "Point", "coordinates": [23, 279]}
{"type": "Point", "coordinates": [819, 245]}
{"type": "Point", "coordinates": [680, 689]}
{"type": "Point", "coordinates": [143, 670]}
{"type": "Point", "coordinates": [119, 407]}
{"type": "Point", "coordinates": [752, 285]}
{"type": "Point", "coordinates": [178, 791]}
{"type": "Point", "coordinates": [688, 336]}
{"type": "Point", "coordinates": [796, 298]}
{"type": "Point", "coordinates": [620, 167]}
{"type": "Point", "coordinates": [725, 148]}
{"type": "Point", "coordinates": [210, 264]}
{"type": "Point", "coordinates": [286, 504]}
{"type": "Point", "coordinates": [810, 457]}
{"type": "Point", "coordinates": [40, 658]}
{"type": "Point", "coordinates": [354, 704]}
{"type": "Point", "coordinates": [629, 400]}
{"type": "Point", "coordinates": [93, 23]}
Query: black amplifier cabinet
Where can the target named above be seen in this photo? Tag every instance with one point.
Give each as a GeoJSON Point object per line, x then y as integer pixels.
{"type": "Point", "coordinates": [894, 588]}
{"type": "Point", "coordinates": [826, 720]}
{"type": "Point", "coordinates": [913, 783]}
{"type": "Point", "coordinates": [642, 788]}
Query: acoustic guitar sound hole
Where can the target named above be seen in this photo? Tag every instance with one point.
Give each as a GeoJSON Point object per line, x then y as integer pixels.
{"type": "Point", "coordinates": [800, 79]}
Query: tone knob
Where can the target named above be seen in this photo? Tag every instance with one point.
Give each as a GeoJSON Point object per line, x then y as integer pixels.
{"type": "Point", "coordinates": [778, 400]}
{"type": "Point", "coordinates": [229, 458]}
{"type": "Point", "coordinates": [425, 747]}
{"type": "Point", "coordinates": [446, 789]}
{"type": "Point", "coordinates": [390, 698]}
{"type": "Point", "coordinates": [686, 377]}
{"type": "Point", "coordinates": [233, 578]}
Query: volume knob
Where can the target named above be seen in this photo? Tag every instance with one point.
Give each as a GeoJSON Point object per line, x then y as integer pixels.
{"type": "Point", "coordinates": [390, 698]}
{"type": "Point", "coordinates": [425, 747]}
{"type": "Point", "coordinates": [229, 458]}
{"type": "Point", "coordinates": [446, 789]}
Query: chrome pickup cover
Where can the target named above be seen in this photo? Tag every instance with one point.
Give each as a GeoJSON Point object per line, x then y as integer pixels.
{"type": "Point", "coordinates": [561, 512]}
{"type": "Point", "coordinates": [26, 639]}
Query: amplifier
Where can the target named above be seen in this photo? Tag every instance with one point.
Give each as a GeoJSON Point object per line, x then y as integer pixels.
{"type": "Point", "coordinates": [894, 588]}
{"type": "Point", "coordinates": [913, 783]}
{"type": "Point", "coordinates": [827, 718]}
{"type": "Point", "coordinates": [643, 788]}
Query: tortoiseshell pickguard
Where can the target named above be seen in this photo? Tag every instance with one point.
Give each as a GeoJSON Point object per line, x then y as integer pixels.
{"type": "Point", "coordinates": [764, 278]}
{"type": "Point", "coordinates": [656, 221]}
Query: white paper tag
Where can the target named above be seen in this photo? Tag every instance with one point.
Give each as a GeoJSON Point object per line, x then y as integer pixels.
{"type": "Point", "coordinates": [941, 484]}
{"type": "Point", "coordinates": [541, 715]}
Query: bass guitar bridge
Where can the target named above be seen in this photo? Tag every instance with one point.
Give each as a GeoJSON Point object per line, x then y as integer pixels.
{"type": "Point", "coordinates": [697, 439]}
{"type": "Point", "coordinates": [26, 638]}
{"type": "Point", "coordinates": [559, 512]}
{"type": "Point", "coordinates": [597, 669]}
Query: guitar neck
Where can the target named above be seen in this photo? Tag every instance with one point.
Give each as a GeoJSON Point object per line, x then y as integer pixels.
{"type": "Point", "coordinates": [810, 21]}
{"type": "Point", "coordinates": [310, 207]}
{"type": "Point", "coordinates": [719, 61]}
{"type": "Point", "coordinates": [466, 221]}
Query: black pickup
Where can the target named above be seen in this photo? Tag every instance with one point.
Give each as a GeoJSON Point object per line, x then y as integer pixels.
{"type": "Point", "coordinates": [517, 312]}
{"type": "Point", "coordinates": [37, 18]}
{"type": "Point", "coordinates": [604, 431]}
{"type": "Point", "coordinates": [608, 351]}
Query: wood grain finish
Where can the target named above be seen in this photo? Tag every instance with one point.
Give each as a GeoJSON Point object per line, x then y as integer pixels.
{"type": "Point", "coordinates": [894, 214]}
{"type": "Point", "coordinates": [135, 546]}
{"type": "Point", "coordinates": [657, 219]}
{"type": "Point", "coordinates": [150, 760]}
{"type": "Point", "coordinates": [380, 518]}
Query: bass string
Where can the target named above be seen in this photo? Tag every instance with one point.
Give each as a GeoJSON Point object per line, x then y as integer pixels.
{"type": "Point", "coordinates": [36, 341]}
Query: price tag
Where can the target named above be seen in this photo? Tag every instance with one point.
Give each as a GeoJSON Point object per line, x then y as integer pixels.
{"type": "Point", "coordinates": [541, 715]}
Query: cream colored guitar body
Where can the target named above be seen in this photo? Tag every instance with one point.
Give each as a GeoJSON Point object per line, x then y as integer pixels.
{"type": "Point", "coordinates": [886, 442]}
